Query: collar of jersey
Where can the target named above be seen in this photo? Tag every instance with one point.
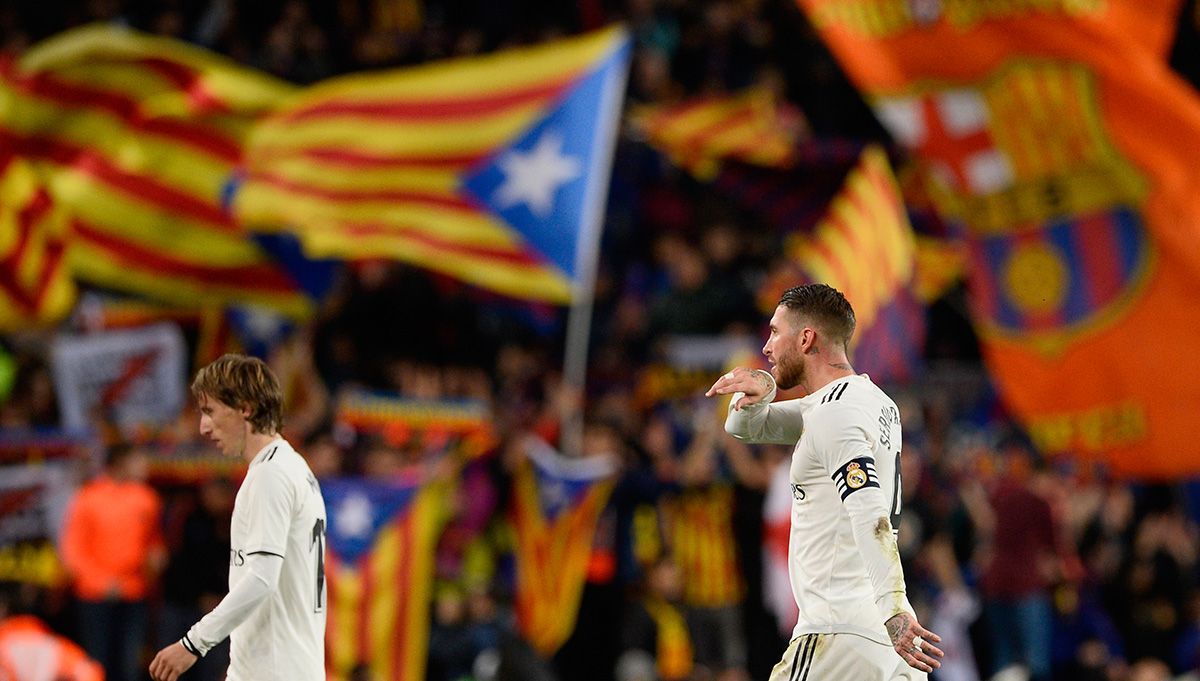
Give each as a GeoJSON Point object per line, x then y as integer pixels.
{"type": "Point", "coordinates": [258, 457]}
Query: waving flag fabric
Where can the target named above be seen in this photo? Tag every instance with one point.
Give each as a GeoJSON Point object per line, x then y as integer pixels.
{"type": "Point", "coordinates": [863, 246]}
{"type": "Point", "coordinates": [1060, 143]}
{"type": "Point", "coordinates": [698, 134]}
{"type": "Point", "coordinates": [35, 285]}
{"type": "Point", "coordinates": [136, 137]}
{"type": "Point", "coordinates": [379, 575]}
{"type": "Point", "coordinates": [556, 503]}
{"type": "Point", "coordinates": [493, 170]}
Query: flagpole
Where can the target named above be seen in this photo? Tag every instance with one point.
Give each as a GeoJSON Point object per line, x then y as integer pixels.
{"type": "Point", "coordinates": [587, 256]}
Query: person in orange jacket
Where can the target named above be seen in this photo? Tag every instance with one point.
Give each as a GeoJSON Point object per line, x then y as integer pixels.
{"type": "Point", "coordinates": [29, 651]}
{"type": "Point", "coordinates": [113, 550]}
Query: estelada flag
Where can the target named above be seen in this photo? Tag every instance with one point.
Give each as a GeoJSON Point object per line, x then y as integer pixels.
{"type": "Point", "coordinates": [136, 137]}
{"type": "Point", "coordinates": [379, 575]}
{"type": "Point", "coordinates": [493, 170]}
{"type": "Point", "coordinates": [556, 503]}
{"type": "Point", "coordinates": [35, 284]}
{"type": "Point", "coordinates": [1059, 141]}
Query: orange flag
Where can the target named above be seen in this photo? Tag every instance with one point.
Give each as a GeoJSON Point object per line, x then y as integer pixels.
{"type": "Point", "coordinates": [1065, 148]}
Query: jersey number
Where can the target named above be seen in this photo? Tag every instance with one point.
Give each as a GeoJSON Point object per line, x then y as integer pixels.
{"type": "Point", "coordinates": [896, 499]}
{"type": "Point", "coordinates": [318, 543]}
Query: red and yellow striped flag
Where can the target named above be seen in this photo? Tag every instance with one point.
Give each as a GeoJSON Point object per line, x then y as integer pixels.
{"type": "Point", "coordinates": [35, 286]}
{"type": "Point", "coordinates": [556, 504]}
{"type": "Point", "coordinates": [699, 528]}
{"type": "Point", "coordinates": [390, 164]}
{"type": "Point", "coordinates": [700, 133]}
{"type": "Point", "coordinates": [864, 246]}
{"type": "Point", "coordinates": [379, 576]}
{"type": "Point", "coordinates": [137, 137]}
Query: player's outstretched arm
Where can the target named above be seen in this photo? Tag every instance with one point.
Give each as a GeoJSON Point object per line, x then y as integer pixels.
{"type": "Point", "coordinates": [752, 416]}
{"type": "Point", "coordinates": [912, 642]}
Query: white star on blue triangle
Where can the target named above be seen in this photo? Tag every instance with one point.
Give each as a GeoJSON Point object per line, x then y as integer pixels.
{"type": "Point", "coordinates": [539, 184]}
{"type": "Point", "coordinates": [358, 510]}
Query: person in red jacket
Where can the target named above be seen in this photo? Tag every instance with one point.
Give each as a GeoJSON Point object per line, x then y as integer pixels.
{"type": "Point", "coordinates": [112, 549]}
{"type": "Point", "coordinates": [29, 651]}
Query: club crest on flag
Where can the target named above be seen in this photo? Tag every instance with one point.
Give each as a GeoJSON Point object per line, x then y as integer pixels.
{"type": "Point", "coordinates": [1042, 284]}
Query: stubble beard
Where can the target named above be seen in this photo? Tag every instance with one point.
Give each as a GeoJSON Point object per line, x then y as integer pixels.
{"type": "Point", "coordinates": [788, 373]}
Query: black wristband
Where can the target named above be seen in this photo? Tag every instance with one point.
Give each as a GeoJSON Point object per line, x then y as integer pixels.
{"type": "Point", "coordinates": [190, 647]}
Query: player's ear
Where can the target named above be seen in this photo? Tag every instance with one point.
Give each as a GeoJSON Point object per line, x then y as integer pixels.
{"type": "Point", "coordinates": [808, 340]}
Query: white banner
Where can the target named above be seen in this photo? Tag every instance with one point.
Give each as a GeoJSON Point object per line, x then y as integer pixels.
{"type": "Point", "coordinates": [129, 377]}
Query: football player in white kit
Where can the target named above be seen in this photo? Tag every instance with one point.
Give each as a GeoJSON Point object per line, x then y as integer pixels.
{"type": "Point", "coordinates": [274, 614]}
{"type": "Point", "coordinates": [845, 476]}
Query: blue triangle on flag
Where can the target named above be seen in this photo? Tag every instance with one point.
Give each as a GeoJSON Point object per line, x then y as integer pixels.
{"type": "Point", "coordinates": [358, 509]}
{"type": "Point", "coordinates": [546, 183]}
{"type": "Point", "coordinates": [558, 493]}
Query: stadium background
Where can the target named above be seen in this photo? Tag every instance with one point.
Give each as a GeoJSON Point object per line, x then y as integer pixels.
{"type": "Point", "coordinates": [414, 392]}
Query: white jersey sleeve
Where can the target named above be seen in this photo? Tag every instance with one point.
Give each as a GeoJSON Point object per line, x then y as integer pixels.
{"type": "Point", "coordinates": [242, 600]}
{"type": "Point", "coordinates": [766, 422]}
{"type": "Point", "coordinates": [848, 443]}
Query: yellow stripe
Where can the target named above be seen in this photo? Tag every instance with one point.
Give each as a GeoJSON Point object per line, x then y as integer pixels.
{"type": "Point", "coordinates": [96, 266]}
{"type": "Point", "coordinates": [321, 219]}
{"type": "Point", "coordinates": [178, 237]}
{"type": "Point", "coordinates": [315, 173]}
{"type": "Point", "coordinates": [497, 73]}
{"type": "Point", "coordinates": [171, 163]}
{"type": "Point", "coordinates": [449, 136]}
{"type": "Point", "coordinates": [427, 525]}
{"type": "Point", "coordinates": [387, 603]}
{"type": "Point", "coordinates": [239, 87]}
{"type": "Point", "coordinates": [343, 638]}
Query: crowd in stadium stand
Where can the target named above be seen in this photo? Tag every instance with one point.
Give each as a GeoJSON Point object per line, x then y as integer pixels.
{"type": "Point", "coordinates": [1010, 558]}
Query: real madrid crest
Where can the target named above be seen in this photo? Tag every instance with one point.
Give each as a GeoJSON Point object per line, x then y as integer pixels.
{"type": "Point", "coordinates": [855, 476]}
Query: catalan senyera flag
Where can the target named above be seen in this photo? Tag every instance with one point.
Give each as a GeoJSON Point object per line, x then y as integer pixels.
{"type": "Point", "coordinates": [35, 284]}
{"type": "Point", "coordinates": [493, 170]}
{"type": "Point", "coordinates": [1059, 141]}
{"type": "Point", "coordinates": [556, 503]}
{"type": "Point", "coordinates": [379, 575]}
{"type": "Point", "coordinates": [136, 137]}
{"type": "Point", "coordinates": [698, 134]}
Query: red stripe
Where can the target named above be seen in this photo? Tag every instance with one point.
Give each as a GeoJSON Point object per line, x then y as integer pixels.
{"type": "Point", "coordinates": [332, 572]}
{"type": "Point", "coordinates": [405, 568]}
{"type": "Point", "coordinates": [449, 247]}
{"type": "Point", "coordinates": [139, 187]}
{"type": "Point", "coordinates": [188, 80]}
{"type": "Point", "coordinates": [365, 160]}
{"type": "Point", "coordinates": [979, 280]}
{"type": "Point", "coordinates": [74, 96]}
{"type": "Point", "coordinates": [367, 578]}
{"type": "Point", "coordinates": [263, 278]}
{"type": "Point", "coordinates": [1097, 247]}
{"type": "Point", "coordinates": [433, 108]}
{"type": "Point", "coordinates": [412, 196]}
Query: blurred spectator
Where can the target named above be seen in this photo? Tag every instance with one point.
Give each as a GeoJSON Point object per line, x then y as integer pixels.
{"type": "Point", "coordinates": [451, 648]}
{"type": "Point", "coordinates": [29, 651]}
{"type": "Point", "coordinates": [197, 574]}
{"type": "Point", "coordinates": [112, 549]}
{"type": "Point", "coordinates": [1016, 580]}
{"type": "Point", "coordinates": [656, 626]}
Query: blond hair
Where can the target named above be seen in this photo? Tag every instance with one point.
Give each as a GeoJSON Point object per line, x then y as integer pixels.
{"type": "Point", "coordinates": [247, 383]}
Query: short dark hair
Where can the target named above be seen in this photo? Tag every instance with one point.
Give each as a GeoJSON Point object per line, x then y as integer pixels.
{"type": "Point", "coordinates": [823, 306]}
{"type": "Point", "coordinates": [247, 383]}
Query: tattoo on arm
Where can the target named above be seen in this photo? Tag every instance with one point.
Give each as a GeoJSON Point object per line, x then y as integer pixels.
{"type": "Point", "coordinates": [897, 626]}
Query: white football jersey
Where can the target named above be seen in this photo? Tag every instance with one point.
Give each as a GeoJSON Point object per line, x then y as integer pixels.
{"type": "Point", "coordinates": [279, 510]}
{"type": "Point", "coordinates": [842, 557]}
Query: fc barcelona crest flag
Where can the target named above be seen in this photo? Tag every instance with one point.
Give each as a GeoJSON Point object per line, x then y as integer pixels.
{"type": "Point", "coordinates": [1061, 146]}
